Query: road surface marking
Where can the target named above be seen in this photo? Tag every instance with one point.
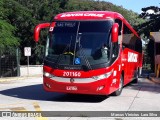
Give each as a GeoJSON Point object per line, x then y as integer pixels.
{"type": "Point", "coordinates": [35, 105]}
{"type": "Point", "coordinates": [37, 108]}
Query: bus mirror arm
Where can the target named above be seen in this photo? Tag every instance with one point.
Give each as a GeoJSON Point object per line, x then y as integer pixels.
{"type": "Point", "coordinates": [114, 34]}
{"type": "Point", "coordinates": [38, 29]}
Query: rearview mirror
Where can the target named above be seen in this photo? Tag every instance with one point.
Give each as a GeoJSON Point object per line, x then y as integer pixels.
{"type": "Point", "coordinates": [37, 30]}
{"type": "Point", "coordinates": [114, 34]}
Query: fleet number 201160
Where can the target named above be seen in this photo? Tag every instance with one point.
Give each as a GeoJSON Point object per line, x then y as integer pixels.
{"type": "Point", "coordinates": [72, 74]}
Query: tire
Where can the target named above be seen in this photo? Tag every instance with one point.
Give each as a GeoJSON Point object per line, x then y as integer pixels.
{"type": "Point", "coordinates": [119, 91]}
{"type": "Point", "coordinates": [135, 80]}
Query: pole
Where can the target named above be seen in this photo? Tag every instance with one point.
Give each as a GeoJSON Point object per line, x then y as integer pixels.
{"type": "Point", "coordinates": [27, 52]}
{"type": "Point", "coordinates": [28, 65]}
{"type": "Point", "coordinates": [18, 63]}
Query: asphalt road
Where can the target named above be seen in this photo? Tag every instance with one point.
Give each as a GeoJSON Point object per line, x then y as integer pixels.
{"type": "Point", "coordinates": [28, 95]}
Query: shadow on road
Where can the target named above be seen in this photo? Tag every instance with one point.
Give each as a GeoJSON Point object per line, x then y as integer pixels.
{"type": "Point", "coordinates": [36, 92]}
{"type": "Point", "coordinates": [144, 84]}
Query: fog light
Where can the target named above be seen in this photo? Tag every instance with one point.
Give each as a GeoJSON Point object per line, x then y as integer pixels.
{"type": "Point", "coordinates": [100, 88]}
{"type": "Point", "coordinates": [48, 85]}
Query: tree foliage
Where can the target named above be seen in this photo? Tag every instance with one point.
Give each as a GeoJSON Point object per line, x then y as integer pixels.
{"type": "Point", "coordinates": [152, 16]}
{"type": "Point", "coordinates": [7, 38]}
{"type": "Point", "coordinates": [152, 20]}
{"type": "Point", "coordinates": [19, 17]}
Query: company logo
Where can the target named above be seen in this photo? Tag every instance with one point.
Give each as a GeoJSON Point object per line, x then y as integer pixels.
{"type": "Point", "coordinates": [82, 14]}
{"type": "Point", "coordinates": [132, 57]}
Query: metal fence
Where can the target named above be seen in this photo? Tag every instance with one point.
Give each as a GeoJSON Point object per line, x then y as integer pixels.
{"type": "Point", "coordinates": [10, 62]}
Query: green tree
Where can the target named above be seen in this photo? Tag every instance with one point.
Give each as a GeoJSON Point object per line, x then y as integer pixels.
{"type": "Point", "coordinates": [152, 17]}
{"type": "Point", "coordinates": [24, 15]}
{"type": "Point", "coordinates": [7, 37]}
{"type": "Point", "coordinates": [152, 20]}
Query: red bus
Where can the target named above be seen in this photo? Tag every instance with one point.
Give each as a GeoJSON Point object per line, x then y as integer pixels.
{"type": "Point", "coordinates": [90, 52]}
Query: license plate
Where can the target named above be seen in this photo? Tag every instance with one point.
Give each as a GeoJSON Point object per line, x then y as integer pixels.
{"type": "Point", "coordinates": [74, 88]}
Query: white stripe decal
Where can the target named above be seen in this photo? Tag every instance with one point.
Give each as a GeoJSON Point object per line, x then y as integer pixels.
{"type": "Point", "coordinates": [76, 80]}
{"type": "Point", "coordinates": [114, 73]}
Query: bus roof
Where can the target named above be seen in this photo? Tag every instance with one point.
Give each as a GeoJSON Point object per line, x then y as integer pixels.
{"type": "Point", "coordinates": [88, 15]}
{"type": "Point", "coordinates": [92, 15]}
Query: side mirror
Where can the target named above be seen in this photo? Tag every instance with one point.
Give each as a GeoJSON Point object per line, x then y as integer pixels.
{"type": "Point", "coordinates": [37, 30]}
{"type": "Point", "coordinates": [114, 34]}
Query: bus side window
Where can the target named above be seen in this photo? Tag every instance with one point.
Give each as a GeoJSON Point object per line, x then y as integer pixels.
{"type": "Point", "coordinates": [127, 36]}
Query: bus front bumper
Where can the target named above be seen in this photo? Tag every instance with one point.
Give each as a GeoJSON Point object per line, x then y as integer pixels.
{"type": "Point", "coordinates": [100, 87]}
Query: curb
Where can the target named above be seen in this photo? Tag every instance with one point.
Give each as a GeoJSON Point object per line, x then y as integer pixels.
{"type": "Point", "coordinates": [8, 79]}
{"type": "Point", "coordinates": [155, 80]}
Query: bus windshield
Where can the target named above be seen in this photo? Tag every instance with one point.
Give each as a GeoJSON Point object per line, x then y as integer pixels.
{"type": "Point", "coordinates": [79, 43]}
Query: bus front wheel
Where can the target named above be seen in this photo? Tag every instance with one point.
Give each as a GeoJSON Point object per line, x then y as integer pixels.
{"type": "Point", "coordinates": [119, 91]}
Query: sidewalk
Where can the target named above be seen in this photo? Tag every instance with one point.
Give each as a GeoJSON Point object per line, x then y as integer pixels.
{"type": "Point", "coordinates": [155, 80]}
{"type": "Point", "coordinates": [7, 79]}
{"type": "Point", "coordinates": [151, 76]}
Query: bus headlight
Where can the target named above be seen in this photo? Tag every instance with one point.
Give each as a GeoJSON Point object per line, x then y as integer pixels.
{"type": "Point", "coordinates": [103, 76]}
{"type": "Point", "coordinates": [46, 74]}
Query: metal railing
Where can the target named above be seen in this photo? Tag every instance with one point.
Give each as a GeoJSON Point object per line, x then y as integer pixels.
{"type": "Point", "coordinates": [9, 63]}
